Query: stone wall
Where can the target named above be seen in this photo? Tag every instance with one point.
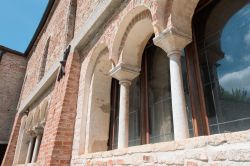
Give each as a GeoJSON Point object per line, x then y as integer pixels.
{"type": "Point", "coordinates": [215, 150]}
{"type": "Point", "coordinates": [12, 71]}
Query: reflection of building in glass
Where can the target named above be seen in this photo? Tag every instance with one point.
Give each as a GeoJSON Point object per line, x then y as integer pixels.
{"type": "Point", "coordinates": [228, 109]}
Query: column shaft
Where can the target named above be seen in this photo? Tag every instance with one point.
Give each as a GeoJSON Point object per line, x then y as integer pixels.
{"type": "Point", "coordinates": [123, 115]}
{"type": "Point", "coordinates": [29, 153]}
{"type": "Point", "coordinates": [36, 148]}
{"type": "Point", "coordinates": [178, 97]}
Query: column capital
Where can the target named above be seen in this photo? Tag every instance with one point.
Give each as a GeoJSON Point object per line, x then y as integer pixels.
{"type": "Point", "coordinates": [31, 133]}
{"type": "Point", "coordinates": [124, 73]}
{"type": "Point", "coordinates": [125, 82]}
{"type": "Point", "coordinates": [39, 130]}
{"type": "Point", "coordinates": [22, 114]}
{"type": "Point", "coordinates": [172, 41]}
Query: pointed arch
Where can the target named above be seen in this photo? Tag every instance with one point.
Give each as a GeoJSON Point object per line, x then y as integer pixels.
{"type": "Point", "coordinates": [180, 17]}
{"type": "Point", "coordinates": [132, 35]}
{"type": "Point", "coordinates": [96, 67]}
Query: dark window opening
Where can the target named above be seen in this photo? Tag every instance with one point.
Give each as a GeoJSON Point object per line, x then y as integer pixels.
{"type": "Point", "coordinates": [2, 151]}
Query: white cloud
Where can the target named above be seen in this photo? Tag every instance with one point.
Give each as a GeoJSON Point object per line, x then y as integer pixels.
{"type": "Point", "coordinates": [239, 79]}
{"type": "Point", "coordinates": [247, 38]}
{"type": "Point", "coordinates": [229, 58]}
{"type": "Point", "coordinates": [246, 58]}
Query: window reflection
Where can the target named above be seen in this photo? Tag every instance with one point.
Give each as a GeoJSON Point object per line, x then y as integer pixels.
{"type": "Point", "coordinates": [134, 113]}
{"type": "Point", "coordinates": [223, 41]}
{"type": "Point", "coordinates": [159, 96]}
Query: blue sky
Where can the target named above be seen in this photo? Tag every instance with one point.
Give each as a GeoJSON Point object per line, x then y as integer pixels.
{"type": "Point", "coordinates": [235, 44]}
{"type": "Point", "coordinates": [19, 20]}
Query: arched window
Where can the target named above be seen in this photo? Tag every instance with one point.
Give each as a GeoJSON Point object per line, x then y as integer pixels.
{"type": "Point", "coordinates": [150, 110]}
{"type": "Point", "coordinates": [31, 133]}
{"type": "Point", "coordinates": [221, 54]}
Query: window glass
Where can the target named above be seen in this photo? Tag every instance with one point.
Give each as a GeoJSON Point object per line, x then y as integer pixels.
{"type": "Point", "coordinates": [223, 42]}
{"type": "Point", "coordinates": [159, 96]}
{"type": "Point", "coordinates": [186, 93]}
{"type": "Point", "coordinates": [114, 115]}
{"type": "Point", "coordinates": [134, 113]}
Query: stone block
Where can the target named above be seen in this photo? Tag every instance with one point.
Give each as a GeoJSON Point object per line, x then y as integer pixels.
{"type": "Point", "coordinates": [242, 155]}
{"type": "Point", "coordinates": [165, 146]}
{"type": "Point", "coordinates": [215, 140]}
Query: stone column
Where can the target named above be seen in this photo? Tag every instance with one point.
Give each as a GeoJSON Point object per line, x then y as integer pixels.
{"type": "Point", "coordinates": [38, 133]}
{"type": "Point", "coordinates": [123, 114]}
{"type": "Point", "coordinates": [29, 153]}
{"type": "Point", "coordinates": [36, 148]}
{"type": "Point", "coordinates": [125, 74]}
{"type": "Point", "coordinates": [173, 44]}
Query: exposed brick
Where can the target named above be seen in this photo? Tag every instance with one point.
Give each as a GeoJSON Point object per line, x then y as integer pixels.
{"type": "Point", "coordinates": [10, 151]}
{"type": "Point", "coordinates": [12, 71]}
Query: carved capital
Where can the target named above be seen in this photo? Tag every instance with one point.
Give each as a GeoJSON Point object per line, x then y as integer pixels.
{"type": "Point", "coordinates": [124, 72]}
{"type": "Point", "coordinates": [31, 133]}
{"type": "Point", "coordinates": [39, 130]}
{"type": "Point", "coordinates": [125, 82]}
{"type": "Point", "coordinates": [171, 40]}
{"type": "Point", "coordinates": [24, 113]}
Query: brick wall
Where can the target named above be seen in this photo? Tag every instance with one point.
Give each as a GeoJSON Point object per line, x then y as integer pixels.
{"type": "Point", "coordinates": [56, 146]}
{"type": "Point", "coordinates": [11, 148]}
{"type": "Point", "coordinates": [57, 31]}
{"type": "Point", "coordinates": [12, 71]}
{"type": "Point", "coordinates": [84, 10]}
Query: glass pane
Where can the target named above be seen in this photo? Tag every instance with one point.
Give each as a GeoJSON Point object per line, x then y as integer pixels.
{"type": "Point", "coordinates": [115, 146]}
{"type": "Point", "coordinates": [223, 41]}
{"type": "Point", "coordinates": [114, 114]}
{"type": "Point", "coordinates": [187, 98]}
{"type": "Point", "coordinates": [116, 119]}
{"type": "Point", "coordinates": [159, 96]}
{"type": "Point", "coordinates": [134, 113]}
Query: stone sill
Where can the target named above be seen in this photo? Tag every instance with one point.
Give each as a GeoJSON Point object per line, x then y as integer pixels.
{"type": "Point", "coordinates": [92, 24]}
{"type": "Point", "coordinates": [190, 143]}
{"type": "Point", "coordinates": [42, 86]}
{"type": "Point", "coordinates": [29, 164]}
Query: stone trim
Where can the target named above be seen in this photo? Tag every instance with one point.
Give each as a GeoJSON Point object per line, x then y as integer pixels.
{"type": "Point", "coordinates": [97, 18]}
{"type": "Point", "coordinates": [124, 71]}
{"type": "Point", "coordinates": [172, 39]}
{"type": "Point", "coordinates": [174, 31]}
{"type": "Point", "coordinates": [141, 16]}
{"type": "Point", "coordinates": [41, 87]}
